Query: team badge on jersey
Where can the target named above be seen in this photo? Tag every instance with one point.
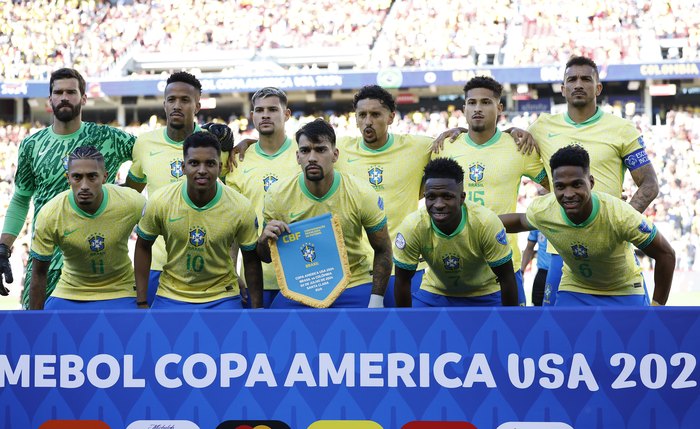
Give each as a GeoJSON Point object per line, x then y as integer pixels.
{"type": "Point", "coordinates": [400, 241]}
{"type": "Point", "coordinates": [198, 236]}
{"type": "Point", "coordinates": [176, 168]}
{"type": "Point", "coordinates": [308, 251]}
{"type": "Point", "coordinates": [376, 175]}
{"type": "Point", "coordinates": [64, 161]}
{"type": "Point", "coordinates": [269, 180]}
{"type": "Point", "coordinates": [502, 238]}
{"type": "Point", "coordinates": [644, 227]}
{"type": "Point", "coordinates": [579, 250]}
{"type": "Point", "coordinates": [476, 172]}
{"type": "Point", "coordinates": [96, 242]}
{"type": "Point", "coordinates": [451, 262]}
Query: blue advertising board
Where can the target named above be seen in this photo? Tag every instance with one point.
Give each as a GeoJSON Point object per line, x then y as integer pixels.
{"type": "Point", "coordinates": [494, 368]}
{"type": "Point", "coordinates": [354, 79]}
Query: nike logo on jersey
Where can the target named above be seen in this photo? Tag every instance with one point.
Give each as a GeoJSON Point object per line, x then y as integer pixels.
{"type": "Point", "coordinates": [175, 219]}
{"type": "Point", "coordinates": [550, 135]}
{"type": "Point", "coordinates": [352, 160]}
{"type": "Point", "coordinates": [68, 232]}
{"type": "Point", "coordinates": [152, 153]}
{"type": "Point", "coordinates": [248, 170]}
{"type": "Point", "coordinates": [295, 215]}
{"type": "Point", "coordinates": [43, 152]}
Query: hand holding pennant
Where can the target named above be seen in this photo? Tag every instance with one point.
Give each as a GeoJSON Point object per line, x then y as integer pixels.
{"type": "Point", "coordinates": [311, 262]}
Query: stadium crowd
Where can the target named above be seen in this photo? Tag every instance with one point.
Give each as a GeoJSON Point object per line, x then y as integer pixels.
{"type": "Point", "coordinates": [93, 35]}
{"type": "Point", "coordinates": [673, 149]}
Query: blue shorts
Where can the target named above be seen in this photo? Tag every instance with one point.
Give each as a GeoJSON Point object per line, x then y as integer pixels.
{"type": "Point", "coordinates": [54, 303]}
{"type": "Point", "coordinates": [230, 303]}
{"type": "Point", "coordinates": [551, 285]}
{"type": "Point", "coordinates": [389, 300]}
{"type": "Point", "coordinates": [422, 298]}
{"type": "Point", "coordinates": [268, 297]}
{"type": "Point", "coordinates": [153, 281]}
{"type": "Point", "coordinates": [355, 297]}
{"type": "Point", "coordinates": [576, 299]}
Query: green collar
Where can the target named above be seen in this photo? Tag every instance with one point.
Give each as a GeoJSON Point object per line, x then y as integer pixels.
{"type": "Point", "coordinates": [591, 218]}
{"type": "Point", "coordinates": [456, 232]}
{"type": "Point", "coordinates": [488, 143]}
{"type": "Point", "coordinates": [593, 119]}
{"type": "Point", "coordinates": [387, 145]}
{"type": "Point", "coordinates": [331, 191]}
{"type": "Point", "coordinates": [173, 142]}
{"type": "Point", "coordinates": [81, 212]}
{"type": "Point", "coordinates": [67, 136]}
{"type": "Point", "coordinates": [287, 143]}
{"type": "Point", "coordinates": [210, 204]}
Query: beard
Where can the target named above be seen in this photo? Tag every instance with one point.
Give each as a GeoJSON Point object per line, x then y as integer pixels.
{"type": "Point", "coordinates": [66, 115]}
{"type": "Point", "coordinates": [317, 177]}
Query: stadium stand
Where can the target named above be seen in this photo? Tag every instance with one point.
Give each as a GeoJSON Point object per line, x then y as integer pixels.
{"type": "Point", "coordinates": [121, 37]}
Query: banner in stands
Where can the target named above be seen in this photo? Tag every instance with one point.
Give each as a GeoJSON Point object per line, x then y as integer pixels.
{"type": "Point", "coordinates": [490, 368]}
{"type": "Point", "coordinates": [354, 79]}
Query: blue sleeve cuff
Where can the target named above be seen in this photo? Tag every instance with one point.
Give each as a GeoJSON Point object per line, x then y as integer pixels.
{"type": "Point", "coordinates": [249, 247]}
{"type": "Point", "coordinates": [144, 235]}
{"type": "Point", "coordinates": [407, 267]}
{"type": "Point", "coordinates": [649, 239]}
{"type": "Point", "coordinates": [377, 227]}
{"type": "Point", "coordinates": [44, 258]}
{"type": "Point", "coordinates": [136, 178]}
{"type": "Point", "coordinates": [501, 261]}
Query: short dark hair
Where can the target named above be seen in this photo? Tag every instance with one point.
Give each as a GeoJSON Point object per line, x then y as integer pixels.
{"type": "Point", "coordinates": [583, 61]}
{"type": "Point", "coordinates": [572, 155]}
{"type": "Point", "coordinates": [66, 73]}
{"type": "Point", "coordinates": [484, 82]}
{"type": "Point", "coordinates": [443, 168]}
{"type": "Point", "coordinates": [87, 152]}
{"type": "Point", "coordinates": [201, 139]}
{"type": "Point", "coordinates": [316, 130]}
{"type": "Point", "coordinates": [184, 77]}
{"type": "Point", "coordinates": [375, 92]}
{"type": "Point", "coordinates": [269, 91]}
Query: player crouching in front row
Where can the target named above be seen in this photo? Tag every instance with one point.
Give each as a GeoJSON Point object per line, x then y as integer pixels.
{"type": "Point", "coordinates": [463, 243]}
{"type": "Point", "coordinates": [592, 232]}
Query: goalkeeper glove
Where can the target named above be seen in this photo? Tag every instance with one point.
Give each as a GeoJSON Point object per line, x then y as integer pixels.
{"type": "Point", "coordinates": [5, 269]}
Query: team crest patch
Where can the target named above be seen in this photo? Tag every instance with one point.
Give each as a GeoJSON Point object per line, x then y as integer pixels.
{"type": "Point", "coordinates": [502, 238]}
{"type": "Point", "coordinates": [644, 227]}
{"type": "Point", "coordinates": [476, 172]}
{"type": "Point", "coordinates": [380, 203]}
{"type": "Point", "coordinates": [451, 262]}
{"type": "Point", "coordinates": [198, 236]}
{"type": "Point", "coordinates": [64, 161]}
{"type": "Point", "coordinates": [308, 251]}
{"type": "Point", "coordinates": [376, 175]}
{"type": "Point", "coordinates": [96, 242]}
{"type": "Point", "coordinates": [269, 180]}
{"type": "Point", "coordinates": [176, 168]}
{"type": "Point", "coordinates": [579, 250]}
{"type": "Point", "coordinates": [400, 241]}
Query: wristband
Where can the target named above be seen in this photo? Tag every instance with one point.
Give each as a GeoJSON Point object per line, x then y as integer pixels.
{"type": "Point", "coordinates": [376, 301]}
